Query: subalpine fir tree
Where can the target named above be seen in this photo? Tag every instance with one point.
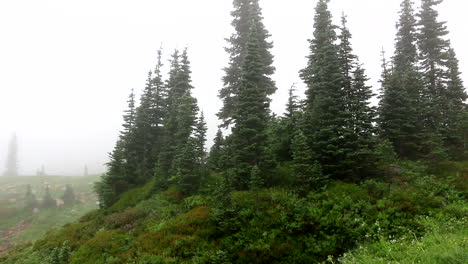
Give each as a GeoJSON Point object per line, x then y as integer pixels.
{"type": "Point", "coordinates": [123, 163]}
{"type": "Point", "coordinates": [143, 133]}
{"type": "Point", "coordinates": [443, 93]}
{"type": "Point", "coordinates": [359, 114]}
{"type": "Point", "coordinates": [30, 201]}
{"type": "Point", "coordinates": [400, 108]}
{"type": "Point", "coordinates": [325, 106]}
{"type": "Point", "coordinates": [68, 196]}
{"type": "Point", "coordinates": [148, 123]}
{"type": "Point", "coordinates": [180, 123]}
{"type": "Point", "coordinates": [249, 135]}
{"type": "Point", "coordinates": [47, 200]}
{"type": "Point", "coordinates": [200, 139]}
{"type": "Point", "coordinates": [432, 48]}
{"type": "Point", "coordinates": [12, 158]}
{"type": "Point", "coordinates": [288, 125]}
{"type": "Point", "coordinates": [128, 137]}
{"type": "Point", "coordinates": [245, 14]}
{"type": "Point", "coordinates": [215, 159]}
{"type": "Point", "coordinates": [307, 172]}
{"type": "Point", "coordinates": [456, 111]}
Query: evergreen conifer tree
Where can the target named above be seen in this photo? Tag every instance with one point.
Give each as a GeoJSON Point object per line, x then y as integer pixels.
{"type": "Point", "coordinates": [249, 135]}
{"type": "Point", "coordinates": [443, 92]}
{"type": "Point", "coordinates": [307, 172]}
{"type": "Point", "coordinates": [247, 13]}
{"type": "Point", "coordinates": [68, 196]}
{"type": "Point", "coordinates": [216, 152]}
{"type": "Point", "coordinates": [179, 125]}
{"type": "Point", "coordinates": [359, 130]}
{"type": "Point", "coordinates": [12, 158]}
{"type": "Point", "coordinates": [47, 200]}
{"type": "Point", "coordinates": [325, 106]}
{"type": "Point", "coordinates": [456, 111]}
{"type": "Point", "coordinates": [30, 201]}
{"type": "Point", "coordinates": [400, 119]}
{"type": "Point", "coordinates": [200, 139]}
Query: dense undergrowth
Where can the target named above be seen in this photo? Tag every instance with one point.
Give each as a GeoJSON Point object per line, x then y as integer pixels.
{"type": "Point", "coordinates": [419, 216]}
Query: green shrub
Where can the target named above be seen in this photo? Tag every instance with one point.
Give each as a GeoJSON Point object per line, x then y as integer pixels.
{"type": "Point", "coordinates": [125, 220]}
{"type": "Point", "coordinates": [104, 248]}
{"type": "Point", "coordinates": [133, 197]}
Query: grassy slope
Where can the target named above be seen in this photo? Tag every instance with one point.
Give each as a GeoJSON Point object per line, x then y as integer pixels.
{"type": "Point", "coordinates": [38, 224]}
{"type": "Point", "coordinates": [413, 218]}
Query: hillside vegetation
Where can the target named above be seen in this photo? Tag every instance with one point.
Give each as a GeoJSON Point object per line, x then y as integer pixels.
{"type": "Point", "coordinates": [414, 217]}
{"type": "Point", "coordinates": [23, 222]}
{"type": "Point", "coordinates": [334, 179]}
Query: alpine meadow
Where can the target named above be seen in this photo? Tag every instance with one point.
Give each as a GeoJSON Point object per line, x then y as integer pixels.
{"type": "Point", "coordinates": [352, 172]}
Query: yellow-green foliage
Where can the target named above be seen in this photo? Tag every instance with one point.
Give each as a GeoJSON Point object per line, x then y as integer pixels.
{"type": "Point", "coordinates": [418, 210]}
{"type": "Point", "coordinates": [133, 197]}
{"type": "Point", "coordinates": [105, 247]}
{"type": "Point", "coordinates": [181, 236]}
{"type": "Point", "coordinates": [76, 234]}
{"type": "Point", "coordinates": [127, 219]}
{"type": "Point", "coordinates": [446, 245]}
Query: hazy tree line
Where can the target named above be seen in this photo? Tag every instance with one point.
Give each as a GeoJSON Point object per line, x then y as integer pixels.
{"type": "Point", "coordinates": [30, 200]}
{"type": "Point", "coordinates": [333, 134]}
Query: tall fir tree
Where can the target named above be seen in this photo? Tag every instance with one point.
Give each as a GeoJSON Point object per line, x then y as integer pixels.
{"type": "Point", "coordinates": [149, 119]}
{"type": "Point", "coordinates": [443, 93]}
{"type": "Point", "coordinates": [200, 139]}
{"type": "Point", "coordinates": [401, 104]}
{"type": "Point", "coordinates": [215, 158]}
{"type": "Point", "coordinates": [30, 201]}
{"type": "Point", "coordinates": [47, 200]}
{"type": "Point", "coordinates": [68, 196]}
{"type": "Point", "coordinates": [245, 14]}
{"type": "Point", "coordinates": [178, 160]}
{"type": "Point", "coordinates": [122, 165]}
{"type": "Point", "coordinates": [456, 111]}
{"type": "Point", "coordinates": [251, 119]}
{"type": "Point", "coordinates": [325, 118]}
{"type": "Point", "coordinates": [359, 115]}
{"type": "Point", "coordinates": [303, 163]}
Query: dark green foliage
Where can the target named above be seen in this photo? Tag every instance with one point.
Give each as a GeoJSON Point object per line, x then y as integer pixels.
{"type": "Point", "coordinates": [68, 196]}
{"type": "Point", "coordinates": [249, 135]}
{"type": "Point", "coordinates": [307, 172]}
{"type": "Point", "coordinates": [338, 118]}
{"type": "Point", "coordinates": [455, 111]}
{"type": "Point", "coordinates": [246, 14]}
{"type": "Point", "coordinates": [256, 180]}
{"type": "Point", "coordinates": [60, 255]}
{"type": "Point", "coordinates": [180, 123]}
{"type": "Point", "coordinates": [444, 94]}
{"type": "Point", "coordinates": [334, 181]}
{"type": "Point", "coordinates": [400, 118]}
{"type": "Point", "coordinates": [325, 105]}
{"type": "Point", "coordinates": [150, 115]}
{"type": "Point", "coordinates": [215, 159]}
{"type": "Point", "coordinates": [359, 134]}
{"type": "Point", "coordinates": [47, 200]}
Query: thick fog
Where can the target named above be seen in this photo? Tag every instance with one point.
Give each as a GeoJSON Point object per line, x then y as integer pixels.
{"type": "Point", "coordinates": [66, 67]}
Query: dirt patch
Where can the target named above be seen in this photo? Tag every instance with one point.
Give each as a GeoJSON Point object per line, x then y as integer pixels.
{"type": "Point", "coordinates": [7, 235]}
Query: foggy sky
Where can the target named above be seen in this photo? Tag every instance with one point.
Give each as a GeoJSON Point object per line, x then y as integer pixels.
{"type": "Point", "coordinates": [66, 67]}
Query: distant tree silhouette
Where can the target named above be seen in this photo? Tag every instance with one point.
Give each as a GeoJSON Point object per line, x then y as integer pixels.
{"type": "Point", "coordinates": [12, 158]}
{"type": "Point", "coordinates": [68, 196]}
{"type": "Point", "coordinates": [30, 199]}
{"type": "Point", "coordinates": [48, 201]}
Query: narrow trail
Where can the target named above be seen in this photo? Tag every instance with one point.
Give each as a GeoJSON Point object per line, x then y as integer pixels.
{"type": "Point", "coordinates": [7, 235]}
